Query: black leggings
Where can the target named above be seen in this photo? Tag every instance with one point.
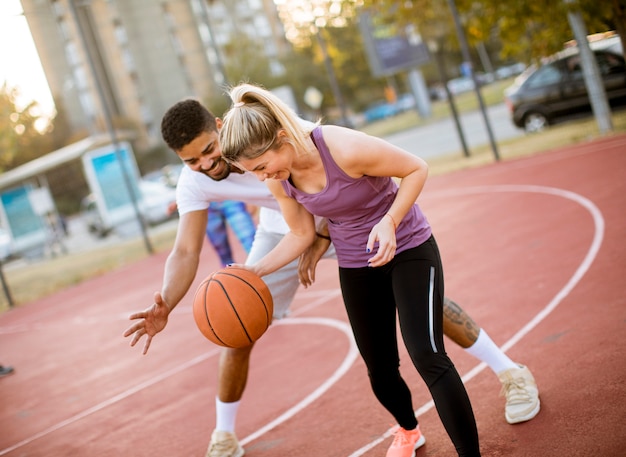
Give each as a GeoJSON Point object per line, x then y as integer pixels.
{"type": "Point", "coordinates": [413, 283]}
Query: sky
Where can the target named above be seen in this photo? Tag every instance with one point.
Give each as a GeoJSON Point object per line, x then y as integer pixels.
{"type": "Point", "coordinates": [19, 61]}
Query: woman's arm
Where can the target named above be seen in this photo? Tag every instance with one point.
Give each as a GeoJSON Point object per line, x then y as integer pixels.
{"type": "Point", "coordinates": [358, 155]}
{"type": "Point", "coordinates": [295, 242]}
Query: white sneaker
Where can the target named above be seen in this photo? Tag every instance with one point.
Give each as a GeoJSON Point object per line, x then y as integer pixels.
{"type": "Point", "coordinates": [224, 444]}
{"type": "Point", "coordinates": [522, 396]}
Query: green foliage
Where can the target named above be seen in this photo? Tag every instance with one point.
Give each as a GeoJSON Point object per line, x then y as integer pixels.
{"type": "Point", "coordinates": [347, 55]}
{"type": "Point", "coordinates": [522, 30]}
{"type": "Point", "coordinates": [20, 141]}
{"type": "Point", "coordinates": [339, 30]}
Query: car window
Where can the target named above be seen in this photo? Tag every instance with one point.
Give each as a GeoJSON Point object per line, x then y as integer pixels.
{"type": "Point", "coordinates": [574, 67]}
{"type": "Point", "coordinates": [609, 63]}
{"type": "Point", "coordinates": [548, 74]}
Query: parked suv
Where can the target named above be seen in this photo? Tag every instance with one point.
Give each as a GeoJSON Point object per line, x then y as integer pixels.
{"type": "Point", "coordinates": [556, 90]}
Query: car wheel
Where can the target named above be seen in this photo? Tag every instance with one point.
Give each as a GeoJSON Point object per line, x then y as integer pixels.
{"type": "Point", "coordinates": [535, 122]}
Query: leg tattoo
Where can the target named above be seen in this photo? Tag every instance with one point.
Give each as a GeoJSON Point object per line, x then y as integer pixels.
{"type": "Point", "coordinates": [458, 325]}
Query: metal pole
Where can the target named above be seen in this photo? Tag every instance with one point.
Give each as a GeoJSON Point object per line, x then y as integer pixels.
{"type": "Point", "coordinates": [468, 61]}
{"type": "Point", "coordinates": [455, 115]}
{"type": "Point", "coordinates": [109, 122]}
{"type": "Point", "coordinates": [5, 286]}
{"type": "Point", "coordinates": [214, 45]}
{"type": "Point", "coordinates": [591, 74]}
{"type": "Point", "coordinates": [334, 85]}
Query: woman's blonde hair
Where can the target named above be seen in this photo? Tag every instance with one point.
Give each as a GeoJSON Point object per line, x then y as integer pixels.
{"type": "Point", "coordinates": [252, 123]}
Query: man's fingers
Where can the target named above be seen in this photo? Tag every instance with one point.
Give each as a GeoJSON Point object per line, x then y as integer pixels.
{"type": "Point", "coordinates": [134, 328]}
{"type": "Point", "coordinates": [147, 345]}
{"type": "Point", "coordinates": [138, 334]}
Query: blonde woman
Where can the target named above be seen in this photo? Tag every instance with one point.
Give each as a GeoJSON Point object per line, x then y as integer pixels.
{"type": "Point", "coordinates": [388, 258]}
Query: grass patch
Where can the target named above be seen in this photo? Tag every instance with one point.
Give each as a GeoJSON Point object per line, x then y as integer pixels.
{"type": "Point", "coordinates": [32, 280]}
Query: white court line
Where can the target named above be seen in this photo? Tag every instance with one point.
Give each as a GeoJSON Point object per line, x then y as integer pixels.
{"type": "Point", "coordinates": [598, 236]}
{"type": "Point", "coordinates": [115, 399]}
{"type": "Point", "coordinates": [352, 355]}
{"type": "Point", "coordinates": [343, 368]}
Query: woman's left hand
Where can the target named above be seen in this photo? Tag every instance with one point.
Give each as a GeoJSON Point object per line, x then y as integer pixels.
{"type": "Point", "coordinates": [244, 267]}
{"type": "Point", "coordinates": [385, 233]}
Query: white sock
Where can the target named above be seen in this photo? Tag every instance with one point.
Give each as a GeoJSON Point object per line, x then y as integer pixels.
{"type": "Point", "coordinates": [485, 350]}
{"type": "Point", "coordinates": [226, 415]}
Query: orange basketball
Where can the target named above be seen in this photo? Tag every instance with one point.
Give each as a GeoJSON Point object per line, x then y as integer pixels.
{"type": "Point", "coordinates": [233, 307]}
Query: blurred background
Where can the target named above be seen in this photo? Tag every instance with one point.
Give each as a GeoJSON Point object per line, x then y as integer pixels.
{"type": "Point", "coordinates": [81, 156]}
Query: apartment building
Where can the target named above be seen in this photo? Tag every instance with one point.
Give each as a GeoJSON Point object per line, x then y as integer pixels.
{"type": "Point", "coordinates": [133, 59]}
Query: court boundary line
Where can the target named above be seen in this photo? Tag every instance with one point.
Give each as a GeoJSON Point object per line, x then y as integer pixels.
{"type": "Point", "coordinates": [351, 356]}
{"type": "Point", "coordinates": [318, 392]}
{"type": "Point", "coordinates": [599, 225]}
{"type": "Point", "coordinates": [111, 401]}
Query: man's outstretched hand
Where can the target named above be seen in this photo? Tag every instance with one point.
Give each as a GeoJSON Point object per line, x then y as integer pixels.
{"type": "Point", "coordinates": [148, 322]}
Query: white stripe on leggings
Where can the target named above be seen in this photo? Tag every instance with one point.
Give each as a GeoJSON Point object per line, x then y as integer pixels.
{"type": "Point", "coordinates": [431, 292]}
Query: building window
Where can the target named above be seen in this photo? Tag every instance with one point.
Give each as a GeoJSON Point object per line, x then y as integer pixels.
{"type": "Point", "coordinates": [65, 33]}
{"type": "Point", "coordinates": [178, 47]}
{"type": "Point", "coordinates": [120, 34]}
{"type": "Point", "coordinates": [196, 7]}
{"type": "Point", "coordinates": [58, 8]}
{"type": "Point", "coordinates": [203, 29]}
{"type": "Point", "coordinates": [71, 53]}
{"type": "Point", "coordinates": [146, 114]}
{"type": "Point", "coordinates": [80, 78]}
{"type": "Point", "coordinates": [129, 62]}
{"type": "Point", "coordinates": [88, 105]}
{"type": "Point", "coordinates": [169, 19]}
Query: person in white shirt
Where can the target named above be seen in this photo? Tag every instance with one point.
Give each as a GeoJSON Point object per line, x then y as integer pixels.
{"type": "Point", "coordinates": [191, 131]}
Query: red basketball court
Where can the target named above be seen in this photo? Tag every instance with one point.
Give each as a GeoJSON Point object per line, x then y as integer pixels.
{"type": "Point", "coordinates": [533, 249]}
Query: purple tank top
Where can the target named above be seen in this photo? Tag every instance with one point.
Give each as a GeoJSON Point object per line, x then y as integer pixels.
{"type": "Point", "coordinates": [354, 206]}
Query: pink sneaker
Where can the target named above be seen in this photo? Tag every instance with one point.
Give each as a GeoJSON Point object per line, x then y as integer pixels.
{"type": "Point", "coordinates": [405, 443]}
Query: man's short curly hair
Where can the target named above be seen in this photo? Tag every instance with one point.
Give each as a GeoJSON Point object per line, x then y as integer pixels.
{"type": "Point", "coordinates": [184, 122]}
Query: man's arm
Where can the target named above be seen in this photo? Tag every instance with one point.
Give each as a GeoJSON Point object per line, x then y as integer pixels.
{"type": "Point", "coordinates": [180, 271]}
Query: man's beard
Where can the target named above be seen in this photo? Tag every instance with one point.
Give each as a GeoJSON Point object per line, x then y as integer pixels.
{"type": "Point", "coordinates": [223, 173]}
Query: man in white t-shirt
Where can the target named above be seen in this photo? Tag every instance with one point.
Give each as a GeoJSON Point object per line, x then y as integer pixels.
{"type": "Point", "coordinates": [191, 131]}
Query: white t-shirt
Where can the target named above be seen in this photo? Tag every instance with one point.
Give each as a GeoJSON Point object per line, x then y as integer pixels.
{"type": "Point", "coordinates": [195, 191]}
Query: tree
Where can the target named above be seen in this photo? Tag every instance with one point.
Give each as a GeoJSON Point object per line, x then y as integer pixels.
{"type": "Point", "coordinates": [337, 24]}
{"type": "Point", "coordinates": [20, 140]}
{"type": "Point", "coordinates": [526, 31]}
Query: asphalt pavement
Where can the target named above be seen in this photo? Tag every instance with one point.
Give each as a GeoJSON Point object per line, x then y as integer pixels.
{"type": "Point", "coordinates": [441, 138]}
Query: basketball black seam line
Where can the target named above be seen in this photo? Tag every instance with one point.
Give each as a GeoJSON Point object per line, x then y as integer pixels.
{"type": "Point", "coordinates": [267, 316]}
{"type": "Point", "coordinates": [243, 326]}
{"type": "Point", "coordinates": [206, 312]}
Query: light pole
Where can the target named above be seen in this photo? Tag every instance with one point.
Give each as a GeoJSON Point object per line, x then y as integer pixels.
{"type": "Point", "coordinates": [591, 74]}
{"type": "Point", "coordinates": [434, 46]}
{"type": "Point", "coordinates": [468, 61]}
{"type": "Point", "coordinates": [332, 77]}
{"type": "Point", "coordinates": [315, 16]}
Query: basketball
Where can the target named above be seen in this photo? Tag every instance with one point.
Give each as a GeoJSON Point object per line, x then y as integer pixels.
{"type": "Point", "coordinates": [233, 307]}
